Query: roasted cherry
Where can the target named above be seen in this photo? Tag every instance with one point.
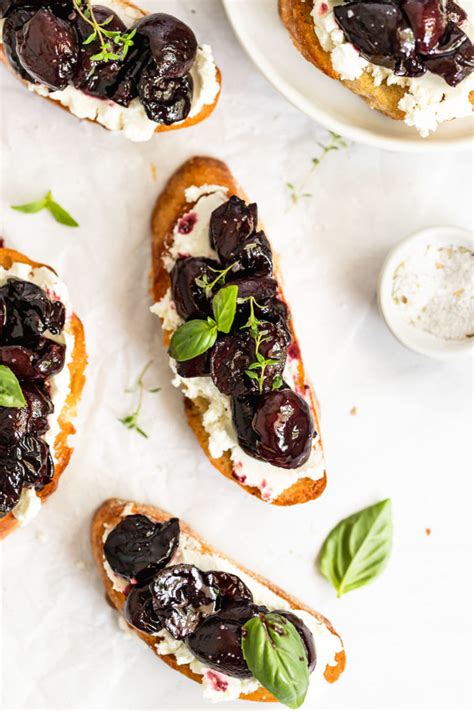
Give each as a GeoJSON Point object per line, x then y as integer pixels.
{"type": "Point", "coordinates": [14, 21]}
{"type": "Point", "coordinates": [48, 49]}
{"type": "Point", "coordinates": [195, 367]}
{"type": "Point", "coordinates": [36, 461]}
{"type": "Point", "coordinates": [138, 547]}
{"type": "Point", "coordinates": [427, 20]}
{"type": "Point", "coordinates": [277, 427]}
{"type": "Point", "coordinates": [45, 361]}
{"type": "Point", "coordinates": [234, 354]}
{"type": "Point", "coordinates": [165, 99]}
{"type": "Point", "coordinates": [11, 480]}
{"type": "Point", "coordinates": [29, 313]}
{"type": "Point", "coordinates": [13, 424]}
{"type": "Point", "coordinates": [230, 225]}
{"type": "Point", "coordinates": [253, 256]}
{"type": "Point", "coordinates": [138, 610]}
{"type": "Point", "coordinates": [230, 587]}
{"type": "Point", "coordinates": [217, 640]}
{"type": "Point", "coordinates": [189, 297]}
{"type": "Point", "coordinates": [40, 406]}
{"type": "Point", "coordinates": [260, 288]}
{"type": "Point", "coordinates": [182, 597]}
{"type": "Point", "coordinates": [453, 56]}
{"type": "Point", "coordinates": [171, 43]}
{"type": "Point", "coordinates": [305, 634]}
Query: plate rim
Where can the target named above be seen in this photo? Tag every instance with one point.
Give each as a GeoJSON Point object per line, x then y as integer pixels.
{"type": "Point", "coordinates": [360, 135]}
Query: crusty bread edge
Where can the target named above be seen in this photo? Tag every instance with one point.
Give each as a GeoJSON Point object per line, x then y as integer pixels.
{"type": "Point", "coordinates": [296, 16]}
{"type": "Point", "coordinates": [77, 365]}
{"type": "Point", "coordinates": [205, 112]}
{"type": "Point", "coordinates": [110, 513]}
{"type": "Point", "coordinates": [168, 208]}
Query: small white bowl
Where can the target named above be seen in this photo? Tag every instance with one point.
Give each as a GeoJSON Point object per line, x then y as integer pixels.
{"type": "Point", "coordinates": [410, 336]}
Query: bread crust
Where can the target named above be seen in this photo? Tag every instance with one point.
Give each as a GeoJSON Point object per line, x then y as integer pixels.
{"type": "Point", "coordinates": [77, 365]}
{"type": "Point", "coordinates": [170, 205]}
{"type": "Point", "coordinates": [206, 110]}
{"type": "Point", "coordinates": [109, 514]}
{"type": "Point", "coordinates": [296, 16]}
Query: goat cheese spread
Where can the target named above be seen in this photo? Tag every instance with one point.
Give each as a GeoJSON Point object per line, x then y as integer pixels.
{"type": "Point", "coordinates": [132, 121]}
{"type": "Point", "coordinates": [217, 686]}
{"type": "Point", "coordinates": [30, 503]}
{"type": "Point", "coordinates": [428, 100]}
{"type": "Point", "coordinates": [217, 417]}
{"type": "Point", "coordinates": [433, 290]}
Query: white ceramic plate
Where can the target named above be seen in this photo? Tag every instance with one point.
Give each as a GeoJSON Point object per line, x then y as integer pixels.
{"type": "Point", "coordinates": [263, 35]}
{"type": "Point", "coordinates": [410, 336]}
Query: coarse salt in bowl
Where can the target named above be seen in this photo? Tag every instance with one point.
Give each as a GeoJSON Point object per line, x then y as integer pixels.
{"type": "Point", "coordinates": [416, 297]}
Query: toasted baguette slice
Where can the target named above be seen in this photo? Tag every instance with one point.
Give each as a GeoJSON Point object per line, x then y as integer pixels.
{"type": "Point", "coordinates": [110, 514]}
{"type": "Point", "coordinates": [296, 16]}
{"type": "Point", "coordinates": [171, 205]}
{"type": "Point", "coordinates": [62, 449]}
{"type": "Point", "coordinates": [206, 110]}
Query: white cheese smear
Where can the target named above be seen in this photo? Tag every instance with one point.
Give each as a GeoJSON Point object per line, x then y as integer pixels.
{"type": "Point", "coordinates": [132, 121]}
{"type": "Point", "coordinates": [217, 418]}
{"type": "Point", "coordinates": [428, 100]}
{"type": "Point", "coordinates": [433, 289]}
{"type": "Point", "coordinates": [215, 685]}
{"type": "Point", "coordinates": [29, 503]}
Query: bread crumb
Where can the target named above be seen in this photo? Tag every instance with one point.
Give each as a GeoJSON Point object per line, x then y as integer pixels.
{"type": "Point", "coordinates": [353, 411]}
{"type": "Point", "coordinates": [153, 171]}
{"type": "Point", "coordinates": [428, 531]}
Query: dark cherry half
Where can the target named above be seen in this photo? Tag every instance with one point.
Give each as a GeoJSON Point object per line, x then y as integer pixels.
{"type": "Point", "coordinates": [14, 21]}
{"type": "Point", "coordinates": [217, 640]}
{"type": "Point", "coordinates": [138, 547]}
{"type": "Point", "coordinates": [230, 225]}
{"type": "Point", "coordinates": [305, 634]}
{"type": "Point", "coordinates": [277, 427]}
{"type": "Point", "coordinates": [166, 100]}
{"type": "Point", "coordinates": [182, 596]}
{"type": "Point", "coordinates": [171, 43]}
{"type": "Point", "coordinates": [190, 299]}
{"type": "Point", "coordinates": [16, 423]}
{"type": "Point", "coordinates": [45, 361]}
{"type": "Point", "coordinates": [253, 256]}
{"type": "Point", "coordinates": [230, 587]}
{"type": "Point", "coordinates": [139, 612]}
{"type": "Point", "coordinates": [28, 313]}
{"type": "Point", "coordinates": [197, 367]}
{"type": "Point", "coordinates": [48, 49]}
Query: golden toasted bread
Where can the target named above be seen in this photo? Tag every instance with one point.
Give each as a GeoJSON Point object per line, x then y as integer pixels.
{"type": "Point", "coordinates": [110, 514]}
{"type": "Point", "coordinates": [77, 365]}
{"type": "Point", "coordinates": [296, 16]}
{"type": "Point", "coordinates": [206, 110]}
{"type": "Point", "coordinates": [170, 206]}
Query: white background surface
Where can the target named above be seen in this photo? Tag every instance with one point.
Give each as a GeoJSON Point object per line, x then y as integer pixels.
{"type": "Point", "coordinates": [407, 634]}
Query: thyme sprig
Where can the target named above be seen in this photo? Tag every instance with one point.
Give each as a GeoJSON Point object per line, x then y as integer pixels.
{"type": "Point", "coordinates": [114, 45]}
{"type": "Point", "coordinates": [131, 421]}
{"type": "Point", "coordinates": [335, 143]}
{"type": "Point", "coordinates": [256, 328]}
{"type": "Point", "coordinates": [204, 283]}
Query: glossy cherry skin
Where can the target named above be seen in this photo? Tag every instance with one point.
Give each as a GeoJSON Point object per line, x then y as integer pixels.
{"type": "Point", "coordinates": [11, 481]}
{"type": "Point", "coordinates": [305, 634]}
{"type": "Point", "coordinates": [16, 423]}
{"type": "Point", "coordinates": [46, 360]}
{"type": "Point", "coordinates": [196, 367]}
{"type": "Point", "coordinates": [28, 313]}
{"type": "Point", "coordinates": [217, 640]}
{"type": "Point", "coordinates": [189, 298]}
{"type": "Point", "coordinates": [137, 547]}
{"type": "Point", "coordinates": [15, 20]}
{"type": "Point", "coordinates": [182, 597]}
{"type": "Point", "coordinates": [230, 225]}
{"type": "Point", "coordinates": [138, 610]}
{"type": "Point", "coordinates": [171, 43]}
{"type": "Point", "coordinates": [230, 587]}
{"type": "Point", "coordinates": [277, 428]}
{"type": "Point", "coordinates": [453, 57]}
{"type": "Point", "coordinates": [427, 20]}
{"type": "Point", "coordinates": [166, 100]}
{"type": "Point", "coordinates": [48, 49]}
{"type": "Point", "coordinates": [253, 257]}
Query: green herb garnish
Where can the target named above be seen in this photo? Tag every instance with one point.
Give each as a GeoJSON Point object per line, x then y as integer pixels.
{"type": "Point", "coordinates": [131, 421]}
{"type": "Point", "coordinates": [114, 45]}
{"type": "Point", "coordinates": [10, 389]}
{"type": "Point", "coordinates": [48, 203]}
{"type": "Point", "coordinates": [256, 370]}
{"type": "Point", "coordinates": [196, 337]}
{"type": "Point", "coordinates": [357, 549]}
{"type": "Point", "coordinates": [335, 143]}
{"type": "Point", "coordinates": [277, 658]}
{"type": "Point", "coordinates": [204, 283]}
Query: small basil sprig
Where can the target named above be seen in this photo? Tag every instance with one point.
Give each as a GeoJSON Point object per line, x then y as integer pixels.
{"type": "Point", "coordinates": [277, 658]}
{"type": "Point", "coordinates": [196, 337]}
{"type": "Point", "coordinates": [47, 203]}
{"type": "Point", "coordinates": [357, 549]}
{"type": "Point", "coordinates": [10, 390]}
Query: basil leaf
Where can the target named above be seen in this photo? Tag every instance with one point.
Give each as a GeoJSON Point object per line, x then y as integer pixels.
{"type": "Point", "coordinates": [31, 207]}
{"type": "Point", "coordinates": [224, 305]}
{"type": "Point", "coordinates": [192, 338]}
{"type": "Point", "coordinates": [10, 390]}
{"type": "Point", "coordinates": [357, 549]}
{"type": "Point", "coordinates": [60, 214]}
{"type": "Point", "coordinates": [276, 656]}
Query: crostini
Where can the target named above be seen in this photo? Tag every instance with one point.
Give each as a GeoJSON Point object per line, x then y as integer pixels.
{"type": "Point", "coordinates": [111, 63]}
{"type": "Point", "coordinates": [42, 362]}
{"type": "Point", "coordinates": [190, 603]}
{"type": "Point", "coordinates": [247, 396]}
{"type": "Point", "coordinates": [410, 59]}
